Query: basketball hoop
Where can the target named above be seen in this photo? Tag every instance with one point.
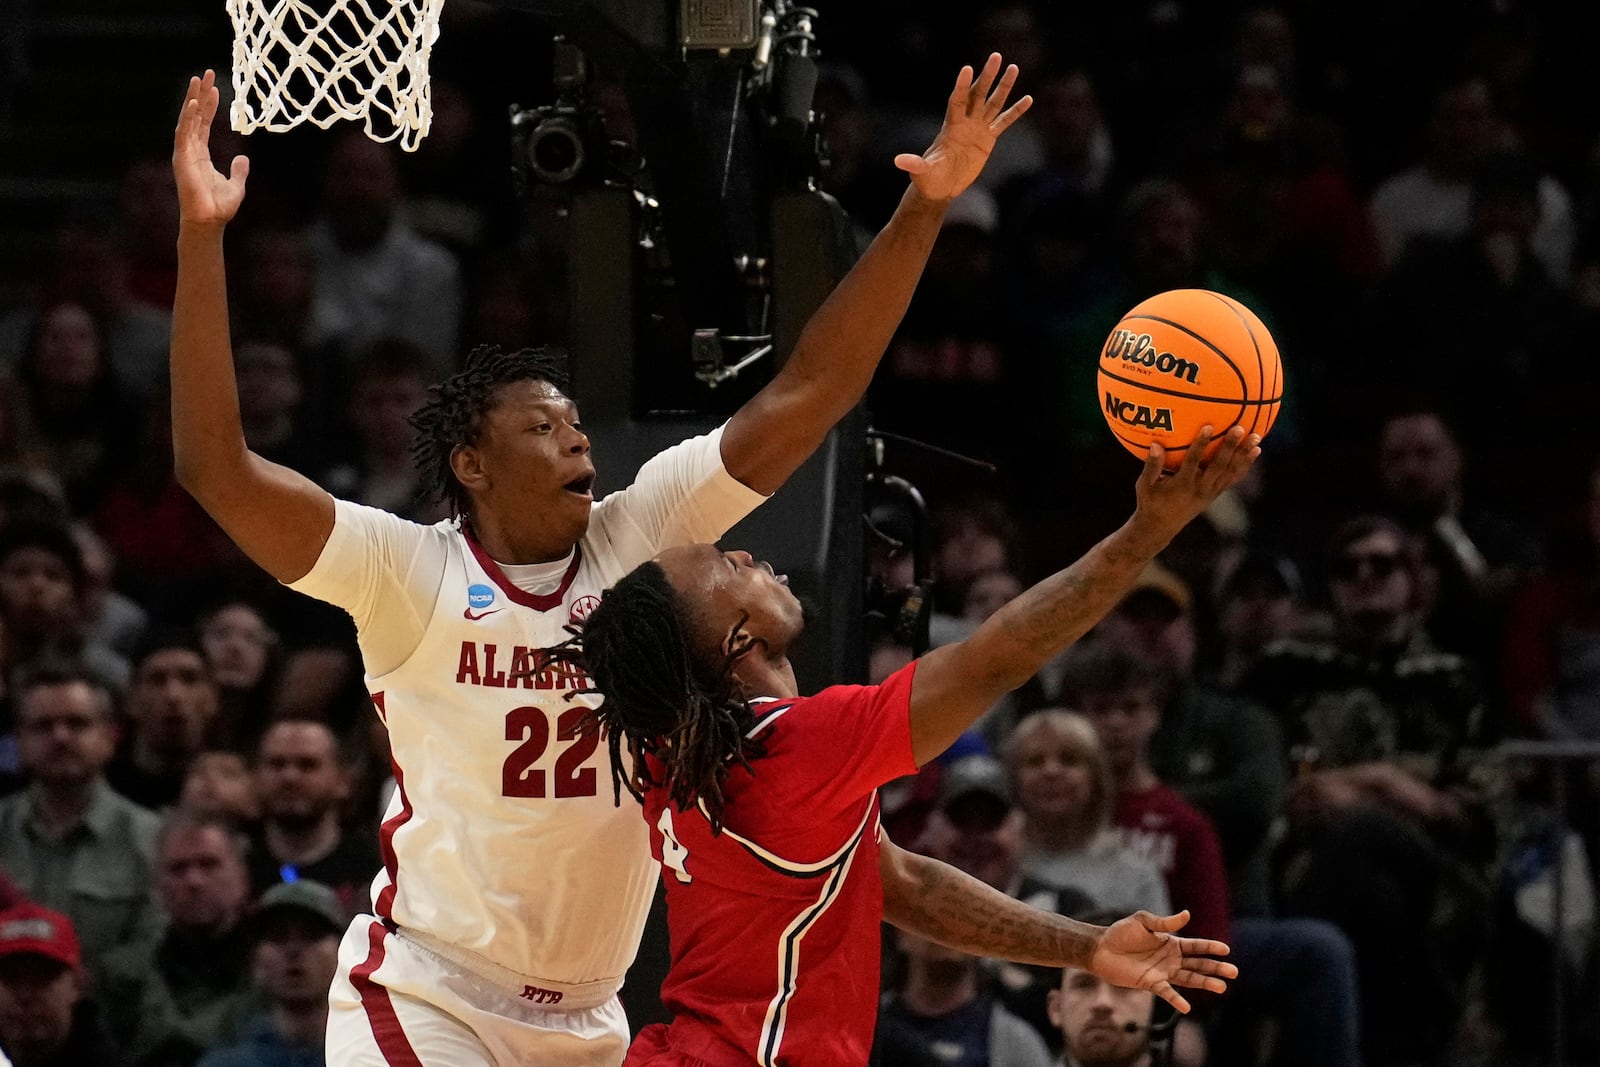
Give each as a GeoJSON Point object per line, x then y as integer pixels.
{"type": "Point", "coordinates": [321, 61]}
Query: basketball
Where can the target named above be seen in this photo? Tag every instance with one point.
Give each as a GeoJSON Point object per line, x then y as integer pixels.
{"type": "Point", "coordinates": [1183, 359]}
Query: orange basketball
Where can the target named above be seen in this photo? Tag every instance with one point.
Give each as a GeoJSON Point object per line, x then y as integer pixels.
{"type": "Point", "coordinates": [1182, 359]}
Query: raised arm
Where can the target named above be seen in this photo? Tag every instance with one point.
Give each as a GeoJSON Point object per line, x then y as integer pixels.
{"type": "Point", "coordinates": [832, 363]}
{"type": "Point", "coordinates": [956, 683]}
{"type": "Point", "coordinates": [279, 518]}
{"type": "Point", "coordinates": [935, 901]}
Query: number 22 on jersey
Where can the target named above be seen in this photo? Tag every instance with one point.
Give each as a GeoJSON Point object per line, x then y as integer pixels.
{"type": "Point", "coordinates": [530, 726]}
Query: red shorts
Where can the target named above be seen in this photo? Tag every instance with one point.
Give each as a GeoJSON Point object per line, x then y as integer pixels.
{"type": "Point", "coordinates": [650, 1049]}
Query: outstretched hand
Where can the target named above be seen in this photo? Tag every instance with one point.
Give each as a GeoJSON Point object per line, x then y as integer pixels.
{"type": "Point", "coordinates": [975, 118]}
{"type": "Point", "coordinates": [204, 194]}
{"type": "Point", "coordinates": [1142, 951]}
{"type": "Point", "coordinates": [1170, 500]}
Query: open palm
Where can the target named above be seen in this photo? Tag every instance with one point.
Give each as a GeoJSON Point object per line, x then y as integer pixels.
{"type": "Point", "coordinates": [204, 194]}
{"type": "Point", "coordinates": [1142, 951]}
{"type": "Point", "coordinates": [975, 118]}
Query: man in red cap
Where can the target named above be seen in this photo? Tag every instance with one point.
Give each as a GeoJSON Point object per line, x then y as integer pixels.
{"type": "Point", "coordinates": [44, 1019]}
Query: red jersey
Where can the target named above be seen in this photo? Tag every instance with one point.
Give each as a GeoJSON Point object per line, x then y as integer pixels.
{"type": "Point", "coordinates": [775, 922]}
{"type": "Point", "coordinates": [1180, 841]}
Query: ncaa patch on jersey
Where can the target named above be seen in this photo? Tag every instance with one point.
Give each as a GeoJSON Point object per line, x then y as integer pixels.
{"type": "Point", "coordinates": [479, 596]}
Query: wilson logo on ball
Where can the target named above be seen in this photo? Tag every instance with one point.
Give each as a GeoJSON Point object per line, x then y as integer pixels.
{"type": "Point", "coordinates": [1138, 348]}
{"type": "Point", "coordinates": [1132, 414]}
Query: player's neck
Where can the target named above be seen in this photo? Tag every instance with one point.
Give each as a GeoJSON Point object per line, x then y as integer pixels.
{"type": "Point", "coordinates": [766, 676]}
{"type": "Point", "coordinates": [508, 545]}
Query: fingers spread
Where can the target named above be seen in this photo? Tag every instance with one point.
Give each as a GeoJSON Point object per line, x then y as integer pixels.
{"type": "Point", "coordinates": [1154, 461]}
{"type": "Point", "coordinates": [1190, 468]}
{"type": "Point", "coordinates": [1192, 980]}
{"type": "Point", "coordinates": [1164, 923]}
{"type": "Point", "coordinates": [1165, 991]}
{"type": "Point", "coordinates": [980, 89]}
{"type": "Point", "coordinates": [960, 94]}
{"type": "Point", "coordinates": [1200, 946]}
{"type": "Point", "coordinates": [997, 99]}
{"type": "Point", "coordinates": [1011, 114]}
{"type": "Point", "coordinates": [1202, 965]}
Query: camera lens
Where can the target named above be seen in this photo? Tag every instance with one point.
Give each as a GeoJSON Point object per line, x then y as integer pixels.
{"type": "Point", "coordinates": [555, 150]}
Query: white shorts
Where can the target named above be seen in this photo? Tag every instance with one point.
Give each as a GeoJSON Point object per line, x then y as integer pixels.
{"type": "Point", "coordinates": [393, 1003]}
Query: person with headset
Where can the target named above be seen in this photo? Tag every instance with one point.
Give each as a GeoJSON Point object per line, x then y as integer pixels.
{"type": "Point", "coordinates": [1103, 1025]}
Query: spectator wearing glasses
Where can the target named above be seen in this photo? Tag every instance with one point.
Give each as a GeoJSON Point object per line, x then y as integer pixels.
{"type": "Point", "coordinates": [1388, 836]}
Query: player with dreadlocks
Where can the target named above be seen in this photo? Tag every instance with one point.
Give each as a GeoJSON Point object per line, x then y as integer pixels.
{"type": "Point", "coordinates": [514, 890]}
{"type": "Point", "coordinates": [763, 804]}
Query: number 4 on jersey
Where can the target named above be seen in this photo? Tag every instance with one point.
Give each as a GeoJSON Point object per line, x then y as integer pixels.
{"type": "Point", "coordinates": [673, 854]}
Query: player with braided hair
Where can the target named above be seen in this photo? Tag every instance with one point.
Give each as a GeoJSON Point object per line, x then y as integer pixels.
{"type": "Point", "coordinates": [763, 803]}
{"type": "Point", "coordinates": [514, 891]}
{"type": "Point", "coordinates": [456, 406]}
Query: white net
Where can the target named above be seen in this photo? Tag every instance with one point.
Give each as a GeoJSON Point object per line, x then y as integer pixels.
{"type": "Point", "coordinates": [299, 61]}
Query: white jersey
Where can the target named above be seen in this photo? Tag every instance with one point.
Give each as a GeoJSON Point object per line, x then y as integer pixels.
{"type": "Point", "coordinates": [502, 838]}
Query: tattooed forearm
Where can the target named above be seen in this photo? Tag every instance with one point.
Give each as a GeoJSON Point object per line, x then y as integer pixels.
{"type": "Point", "coordinates": [935, 901]}
{"type": "Point", "coordinates": [1065, 606]}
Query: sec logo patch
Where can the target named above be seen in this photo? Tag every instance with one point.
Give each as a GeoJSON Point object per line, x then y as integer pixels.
{"type": "Point", "coordinates": [582, 606]}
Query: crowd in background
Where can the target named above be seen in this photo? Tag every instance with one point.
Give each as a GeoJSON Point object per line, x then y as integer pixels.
{"type": "Point", "coordinates": [1288, 728]}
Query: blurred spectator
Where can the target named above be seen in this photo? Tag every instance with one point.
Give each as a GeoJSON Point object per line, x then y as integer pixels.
{"type": "Point", "coordinates": [947, 355]}
{"type": "Point", "coordinates": [1226, 759]}
{"type": "Point", "coordinates": [1480, 554]}
{"type": "Point", "coordinates": [1161, 247]}
{"type": "Point", "coordinates": [376, 277]}
{"type": "Point", "coordinates": [942, 1014]}
{"type": "Point", "coordinates": [973, 826]}
{"type": "Point", "coordinates": [1122, 693]}
{"type": "Point", "coordinates": [1283, 214]}
{"type": "Point", "coordinates": [85, 417]}
{"type": "Point", "coordinates": [1065, 791]}
{"type": "Point", "coordinates": [1258, 602]}
{"type": "Point", "coordinates": [171, 551]}
{"type": "Point", "coordinates": [148, 231]}
{"type": "Point", "coordinates": [169, 1000]}
{"type": "Point", "coordinates": [1103, 1025]}
{"type": "Point", "coordinates": [1434, 197]}
{"type": "Point", "coordinates": [508, 304]}
{"type": "Point", "coordinates": [296, 930]}
{"type": "Point", "coordinates": [42, 592]}
{"type": "Point", "coordinates": [243, 654]}
{"type": "Point", "coordinates": [21, 447]}
{"type": "Point", "coordinates": [114, 620]}
{"type": "Point", "coordinates": [220, 784]}
{"type": "Point", "coordinates": [1386, 733]}
{"type": "Point", "coordinates": [1222, 753]}
{"type": "Point", "coordinates": [87, 270]}
{"type": "Point", "coordinates": [69, 840]}
{"type": "Point", "coordinates": [1552, 656]}
{"type": "Point", "coordinates": [859, 175]}
{"type": "Point", "coordinates": [1481, 300]}
{"type": "Point", "coordinates": [274, 282]}
{"type": "Point", "coordinates": [172, 710]}
{"type": "Point", "coordinates": [45, 1018]}
{"type": "Point", "coordinates": [302, 781]}
{"type": "Point", "coordinates": [1079, 159]}
{"type": "Point", "coordinates": [272, 394]}
{"type": "Point", "coordinates": [972, 537]}
{"type": "Point", "coordinates": [389, 382]}
{"type": "Point", "coordinates": [452, 198]}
